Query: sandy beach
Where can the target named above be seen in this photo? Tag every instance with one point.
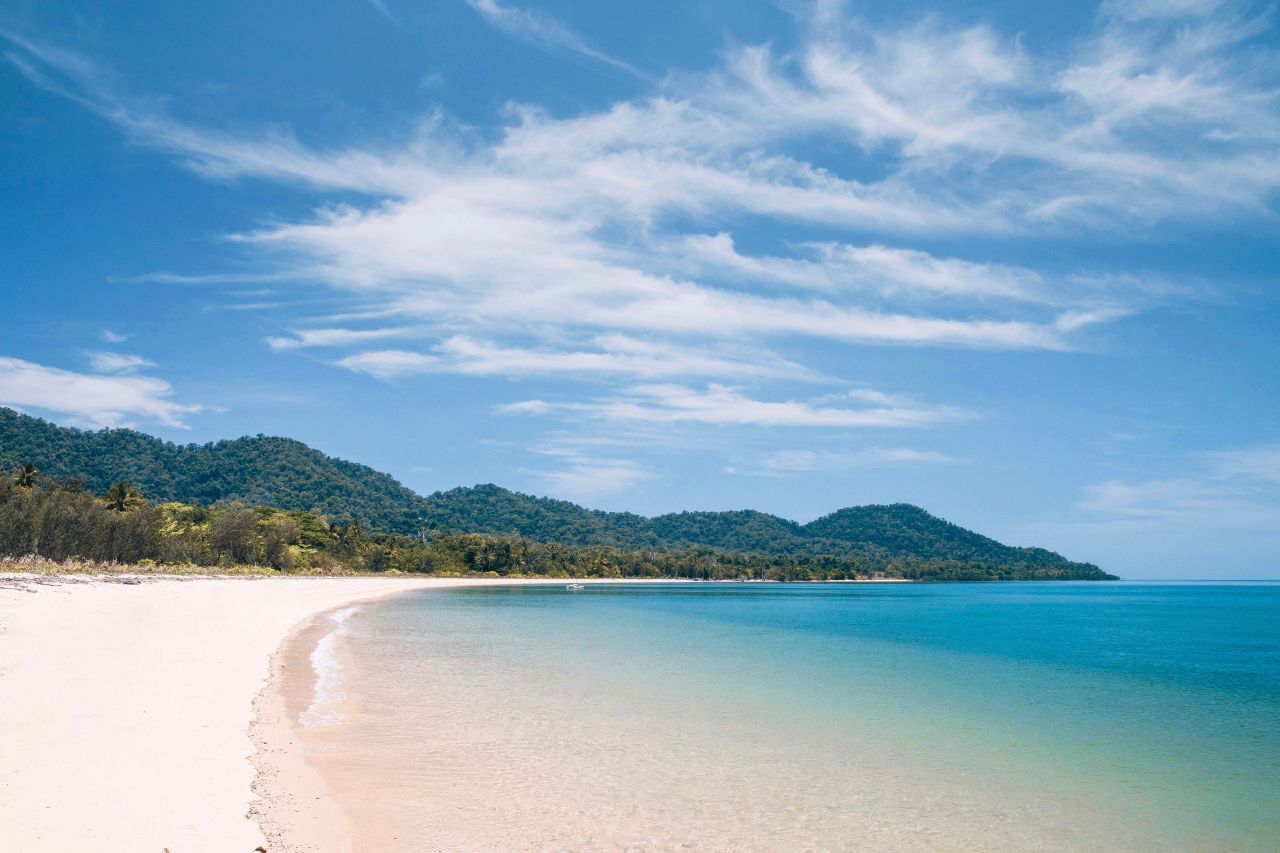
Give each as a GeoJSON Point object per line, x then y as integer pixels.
{"type": "Point", "coordinates": [127, 706]}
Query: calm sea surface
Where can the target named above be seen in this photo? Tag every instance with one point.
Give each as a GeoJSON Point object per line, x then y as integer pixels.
{"type": "Point", "coordinates": [1031, 716]}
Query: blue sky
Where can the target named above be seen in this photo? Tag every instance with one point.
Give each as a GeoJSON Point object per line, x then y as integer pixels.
{"type": "Point", "coordinates": [1014, 264]}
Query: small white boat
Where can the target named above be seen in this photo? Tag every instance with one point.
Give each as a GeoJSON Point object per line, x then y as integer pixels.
{"type": "Point", "coordinates": [574, 586]}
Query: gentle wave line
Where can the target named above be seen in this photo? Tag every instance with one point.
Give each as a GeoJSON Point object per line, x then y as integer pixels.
{"type": "Point", "coordinates": [328, 695]}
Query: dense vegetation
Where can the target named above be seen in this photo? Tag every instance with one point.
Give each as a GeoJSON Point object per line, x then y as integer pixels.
{"type": "Point", "coordinates": [199, 489]}
{"type": "Point", "coordinates": [254, 470]}
{"type": "Point", "coordinates": [59, 520]}
{"type": "Point", "coordinates": [877, 532]}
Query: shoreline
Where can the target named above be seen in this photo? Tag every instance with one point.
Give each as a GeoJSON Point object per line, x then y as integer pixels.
{"type": "Point", "coordinates": [294, 806]}
{"type": "Point", "coordinates": [326, 790]}
{"type": "Point", "coordinates": [129, 703]}
{"type": "Point", "coordinates": [139, 716]}
{"type": "Point", "coordinates": [132, 705]}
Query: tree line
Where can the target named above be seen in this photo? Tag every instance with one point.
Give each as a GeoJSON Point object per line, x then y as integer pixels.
{"type": "Point", "coordinates": [262, 471]}
{"type": "Point", "coordinates": [61, 519]}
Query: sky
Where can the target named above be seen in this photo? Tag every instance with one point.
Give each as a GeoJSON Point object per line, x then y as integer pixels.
{"type": "Point", "coordinates": [1014, 263]}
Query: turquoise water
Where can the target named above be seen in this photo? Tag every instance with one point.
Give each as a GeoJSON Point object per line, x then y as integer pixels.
{"type": "Point", "coordinates": [1055, 716]}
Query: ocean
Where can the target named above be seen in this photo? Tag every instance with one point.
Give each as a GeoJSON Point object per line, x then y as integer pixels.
{"type": "Point", "coordinates": [791, 717]}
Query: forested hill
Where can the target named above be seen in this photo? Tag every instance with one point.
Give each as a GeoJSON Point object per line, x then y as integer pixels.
{"type": "Point", "coordinates": [879, 531]}
{"type": "Point", "coordinates": [258, 470]}
{"type": "Point", "coordinates": [288, 474]}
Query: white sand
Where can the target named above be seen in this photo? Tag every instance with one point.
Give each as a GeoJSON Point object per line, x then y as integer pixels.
{"type": "Point", "coordinates": [124, 709]}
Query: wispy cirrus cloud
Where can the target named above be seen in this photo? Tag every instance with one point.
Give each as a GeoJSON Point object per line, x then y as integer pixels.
{"type": "Point", "coordinates": [1211, 513]}
{"type": "Point", "coordinates": [541, 29]}
{"type": "Point", "coordinates": [587, 470]}
{"type": "Point", "coordinates": [609, 355]}
{"type": "Point", "coordinates": [588, 478]}
{"type": "Point", "coordinates": [722, 405]}
{"type": "Point", "coordinates": [808, 461]}
{"type": "Point", "coordinates": [1139, 122]}
{"type": "Point", "coordinates": [539, 248]}
{"type": "Point", "coordinates": [586, 465]}
{"type": "Point", "coordinates": [90, 400]}
{"type": "Point", "coordinates": [883, 270]}
{"type": "Point", "coordinates": [1226, 488]}
{"type": "Point", "coordinates": [1138, 10]}
{"type": "Point", "coordinates": [382, 9]}
{"type": "Point", "coordinates": [1198, 502]}
{"type": "Point", "coordinates": [1250, 463]}
{"type": "Point", "coordinates": [518, 272]}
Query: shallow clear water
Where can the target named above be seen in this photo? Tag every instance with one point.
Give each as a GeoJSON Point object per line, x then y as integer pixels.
{"type": "Point", "coordinates": [1050, 716]}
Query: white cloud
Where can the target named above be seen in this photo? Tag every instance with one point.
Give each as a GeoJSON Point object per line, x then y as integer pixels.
{"type": "Point", "coordinates": [1137, 10]}
{"type": "Point", "coordinates": [871, 395]}
{"type": "Point", "coordinates": [528, 407]}
{"type": "Point", "coordinates": [1136, 118]}
{"type": "Point", "coordinates": [381, 8]}
{"type": "Point", "coordinates": [217, 278]}
{"type": "Point", "coordinates": [1254, 463]}
{"type": "Point", "coordinates": [1155, 498]}
{"type": "Point", "coordinates": [1226, 489]}
{"type": "Point", "coordinates": [512, 236]}
{"type": "Point", "coordinates": [113, 337]}
{"type": "Point", "coordinates": [1139, 121]}
{"type": "Point", "coordinates": [518, 252]}
{"type": "Point", "coordinates": [114, 362]}
{"type": "Point", "coordinates": [543, 30]}
{"type": "Point", "coordinates": [96, 401]}
{"type": "Point", "coordinates": [512, 271]}
{"type": "Point", "coordinates": [388, 364]}
{"type": "Point", "coordinates": [1195, 501]}
{"type": "Point", "coordinates": [586, 467]}
{"type": "Point", "coordinates": [585, 478]}
{"type": "Point", "coordinates": [835, 267]}
{"type": "Point", "coordinates": [332, 337]}
{"type": "Point", "coordinates": [246, 306]}
{"type": "Point", "coordinates": [845, 460]}
{"type": "Point", "coordinates": [612, 355]}
{"type": "Point", "coordinates": [721, 405]}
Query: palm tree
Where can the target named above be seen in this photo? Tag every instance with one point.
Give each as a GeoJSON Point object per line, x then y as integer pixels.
{"type": "Point", "coordinates": [122, 496]}
{"type": "Point", "coordinates": [26, 476]}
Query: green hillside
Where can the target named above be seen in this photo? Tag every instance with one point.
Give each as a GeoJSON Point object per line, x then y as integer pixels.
{"type": "Point", "coordinates": [258, 470]}
{"type": "Point", "coordinates": [279, 472]}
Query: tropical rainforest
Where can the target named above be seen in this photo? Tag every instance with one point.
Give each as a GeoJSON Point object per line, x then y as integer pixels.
{"type": "Point", "coordinates": [121, 496]}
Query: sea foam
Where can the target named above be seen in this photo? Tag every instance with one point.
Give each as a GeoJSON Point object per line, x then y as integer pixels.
{"type": "Point", "coordinates": [328, 695]}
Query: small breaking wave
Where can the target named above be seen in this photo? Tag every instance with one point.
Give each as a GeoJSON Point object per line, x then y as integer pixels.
{"type": "Point", "coordinates": [328, 694]}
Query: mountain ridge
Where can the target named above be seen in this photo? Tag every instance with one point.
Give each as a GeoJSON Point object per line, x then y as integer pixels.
{"type": "Point", "coordinates": [287, 473]}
